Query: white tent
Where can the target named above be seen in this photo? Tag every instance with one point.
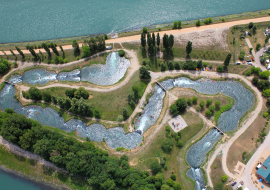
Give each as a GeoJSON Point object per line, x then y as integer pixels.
{"type": "Point", "coordinates": [246, 188]}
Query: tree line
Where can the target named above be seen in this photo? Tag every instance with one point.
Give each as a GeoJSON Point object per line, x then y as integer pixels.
{"type": "Point", "coordinates": [80, 158]}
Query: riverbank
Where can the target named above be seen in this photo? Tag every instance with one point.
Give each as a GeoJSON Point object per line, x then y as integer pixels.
{"type": "Point", "coordinates": [151, 28]}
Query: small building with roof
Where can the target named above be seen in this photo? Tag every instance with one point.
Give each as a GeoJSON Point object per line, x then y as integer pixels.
{"type": "Point", "coordinates": [263, 171]}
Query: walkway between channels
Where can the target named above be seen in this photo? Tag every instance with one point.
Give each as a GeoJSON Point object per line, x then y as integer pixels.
{"type": "Point", "coordinates": [161, 86]}
{"type": "Point", "coordinates": [219, 130]}
{"type": "Point", "coordinates": [10, 83]}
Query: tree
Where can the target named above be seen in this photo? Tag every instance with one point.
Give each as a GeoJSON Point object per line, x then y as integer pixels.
{"type": "Point", "coordinates": [143, 40]}
{"type": "Point", "coordinates": [135, 89]}
{"type": "Point", "coordinates": [20, 52]}
{"type": "Point", "coordinates": [170, 182]}
{"type": "Point", "coordinates": [13, 53]}
{"type": "Point", "coordinates": [171, 65]}
{"type": "Point", "coordinates": [219, 186]}
{"type": "Point", "coordinates": [97, 114]}
{"type": "Point", "coordinates": [179, 24]}
{"type": "Point", "coordinates": [4, 65]}
{"type": "Point", "coordinates": [255, 81]}
{"type": "Point", "coordinates": [224, 178]}
{"type": "Point", "coordinates": [70, 92]}
{"type": "Point", "coordinates": [210, 20]}
{"type": "Point", "coordinates": [167, 145]}
{"type": "Point", "coordinates": [202, 104]}
{"type": "Point", "coordinates": [32, 51]}
{"type": "Point", "coordinates": [220, 69]}
{"type": "Point", "coordinates": [154, 39]}
{"type": "Point", "coordinates": [265, 74]}
{"type": "Point", "coordinates": [125, 113]}
{"type": "Point", "coordinates": [81, 93]}
{"type": "Point", "coordinates": [208, 113]}
{"type": "Point", "coordinates": [34, 93]}
{"type": "Point", "coordinates": [189, 101]}
{"type": "Point", "coordinates": [171, 41]}
{"type": "Point", "coordinates": [199, 64]}
{"type": "Point", "coordinates": [165, 41]}
{"type": "Point", "coordinates": [86, 51]}
{"type": "Point", "coordinates": [179, 144]}
{"type": "Point", "coordinates": [177, 186]}
{"type": "Point", "coordinates": [158, 40]}
{"type": "Point", "coordinates": [206, 21]}
{"type": "Point", "coordinates": [155, 167]}
{"type": "Point", "coordinates": [46, 96]}
{"type": "Point", "coordinates": [217, 104]}
{"type": "Point", "coordinates": [254, 30]}
{"type": "Point", "coordinates": [181, 104]}
{"type": "Point", "coordinates": [212, 108]}
{"type": "Point", "coordinates": [165, 187]}
{"type": "Point", "coordinates": [53, 46]}
{"type": "Point", "coordinates": [227, 60]}
{"type": "Point", "coordinates": [266, 41]}
{"type": "Point", "coordinates": [43, 45]}
{"type": "Point", "coordinates": [198, 23]}
{"type": "Point", "coordinates": [108, 185]}
{"type": "Point", "coordinates": [258, 47]}
{"type": "Point", "coordinates": [174, 109]}
{"type": "Point", "coordinates": [194, 99]}
{"type": "Point", "coordinates": [177, 66]}
{"type": "Point", "coordinates": [120, 118]}
{"type": "Point", "coordinates": [76, 48]}
{"type": "Point", "coordinates": [144, 73]}
{"type": "Point", "coordinates": [189, 47]}
{"type": "Point", "coordinates": [144, 30]}
{"type": "Point", "coordinates": [250, 25]}
{"type": "Point", "coordinates": [42, 148]}
{"type": "Point", "coordinates": [209, 102]}
{"type": "Point", "coordinates": [174, 25]}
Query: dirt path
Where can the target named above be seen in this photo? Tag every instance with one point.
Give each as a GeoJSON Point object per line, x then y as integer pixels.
{"type": "Point", "coordinates": [174, 32]}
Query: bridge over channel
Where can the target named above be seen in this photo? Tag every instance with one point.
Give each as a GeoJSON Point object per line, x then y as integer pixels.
{"type": "Point", "coordinates": [223, 133]}
{"type": "Point", "coordinates": [10, 83]}
{"type": "Point", "coordinates": [161, 86]}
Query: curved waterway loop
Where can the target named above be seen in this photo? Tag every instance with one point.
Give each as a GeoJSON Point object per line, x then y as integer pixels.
{"type": "Point", "coordinates": [104, 75]}
{"type": "Point", "coordinates": [116, 137]}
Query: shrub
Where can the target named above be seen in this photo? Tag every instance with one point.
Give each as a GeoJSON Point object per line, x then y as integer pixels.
{"type": "Point", "coordinates": [97, 114]}
{"type": "Point", "coordinates": [218, 186]}
{"type": "Point", "coordinates": [120, 148]}
{"type": "Point", "coordinates": [220, 69]}
{"type": "Point", "coordinates": [174, 109]}
{"type": "Point", "coordinates": [206, 21]}
{"type": "Point", "coordinates": [144, 73]}
{"type": "Point", "coordinates": [198, 23]}
{"type": "Point", "coordinates": [225, 108]}
{"type": "Point", "coordinates": [217, 104]}
{"type": "Point", "coordinates": [242, 55]}
{"type": "Point", "coordinates": [215, 167]}
{"type": "Point", "coordinates": [168, 128]}
{"type": "Point", "coordinates": [268, 101]}
{"type": "Point", "coordinates": [170, 182]}
{"type": "Point", "coordinates": [163, 67]}
{"type": "Point", "coordinates": [202, 104]}
{"type": "Point", "coordinates": [155, 167]}
{"type": "Point", "coordinates": [249, 72]}
{"type": "Point", "coordinates": [264, 74]}
{"type": "Point", "coordinates": [212, 108]}
{"type": "Point", "coordinates": [217, 115]}
{"type": "Point", "coordinates": [120, 118]}
{"type": "Point", "coordinates": [258, 47]}
{"type": "Point", "coordinates": [194, 99]}
{"type": "Point", "coordinates": [209, 102]}
{"type": "Point", "coordinates": [15, 64]}
{"type": "Point", "coordinates": [121, 53]}
{"type": "Point", "coordinates": [171, 65]}
{"type": "Point", "coordinates": [210, 20]}
{"type": "Point", "coordinates": [177, 66]}
{"type": "Point", "coordinates": [198, 108]}
{"type": "Point", "coordinates": [255, 81]}
{"type": "Point", "coordinates": [224, 178]}
{"type": "Point", "coordinates": [167, 145]}
{"type": "Point", "coordinates": [266, 93]}
{"type": "Point", "coordinates": [173, 177]}
{"type": "Point", "coordinates": [144, 30]}
{"type": "Point", "coordinates": [223, 19]}
{"type": "Point", "coordinates": [189, 101]}
{"type": "Point", "coordinates": [177, 186]}
{"type": "Point", "coordinates": [179, 143]}
{"type": "Point", "coordinates": [208, 113]}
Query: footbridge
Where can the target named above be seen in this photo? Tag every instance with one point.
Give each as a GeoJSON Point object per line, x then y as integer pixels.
{"type": "Point", "coordinates": [161, 86]}
{"type": "Point", "coordinates": [10, 83]}
{"type": "Point", "coordinates": [219, 129]}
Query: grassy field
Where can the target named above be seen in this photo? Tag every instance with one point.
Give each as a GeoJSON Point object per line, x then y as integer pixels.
{"type": "Point", "coordinates": [109, 104]}
{"type": "Point", "coordinates": [248, 142]}
{"type": "Point", "coordinates": [40, 173]}
{"type": "Point", "coordinates": [176, 159]}
{"type": "Point", "coordinates": [217, 172]}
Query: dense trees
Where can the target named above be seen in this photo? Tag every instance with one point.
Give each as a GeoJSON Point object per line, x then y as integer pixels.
{"type": "Point", "coordinates": [4, 65]}
{"type": "Point", "coordinates": [35, 93]}
{"type": "Point", "coordinates": [77, 93]}
{"type": "Point", "coordinates": [96, 44]}
{"type": "Point", "coordinates": [43, 45]}
{"type": "Point", "coordinates": [179, 106]}
{"type": "Point", "coordinates": [155, 167]}
{"type": "Point", "coordinates": [86, 51]}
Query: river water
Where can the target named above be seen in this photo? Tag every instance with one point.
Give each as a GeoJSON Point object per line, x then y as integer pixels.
{"type": "Point", "coordinates": [28, 20]}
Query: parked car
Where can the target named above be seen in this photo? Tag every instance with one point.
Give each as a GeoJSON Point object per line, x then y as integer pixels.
{"type": "Point", "coordinates": [234, 183]}
{"type": "Point", "coordinates": [249, 63]}
{"type": "Point", "coordinates": [261, 55]}
{"type": "Point", "coordinates": [249, 60]}
{"type": "Point", "coordinates": [264, 51]}
{"type": "Point", "coordinates": [252, 58]}
{"type": "Point", "coordinates": [238, 63]}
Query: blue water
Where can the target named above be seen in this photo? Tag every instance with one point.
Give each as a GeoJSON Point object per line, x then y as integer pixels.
{"type": "Point", "coordinates": [10, 181]}
{"type": "Point", "coordinates": [105, 75]}
{"type": "Point", "coordinates": [28, 20]}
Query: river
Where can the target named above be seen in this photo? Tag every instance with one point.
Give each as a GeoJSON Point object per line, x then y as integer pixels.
{"type": "Point", "coordinates": [28, 20]}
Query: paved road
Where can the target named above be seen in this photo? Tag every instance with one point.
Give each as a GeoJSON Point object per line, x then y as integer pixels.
{"type": "Point", "coordinates": [174, 32]}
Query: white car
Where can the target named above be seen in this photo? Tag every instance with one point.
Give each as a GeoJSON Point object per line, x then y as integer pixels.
{"type": "Point", "coordinates": [238, 186]}
{"type": "Point", "coordinates": [249, 63]}
{"type": "Point", "coordinates": [264, 51]}
{"type": "Point", "coordinates": [261, 55]}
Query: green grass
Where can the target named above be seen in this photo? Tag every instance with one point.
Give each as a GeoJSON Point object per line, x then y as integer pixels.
{"type": "Point", "coordinates": [109, 104]}
{"type": "Point", "coordinates": [30, 168]}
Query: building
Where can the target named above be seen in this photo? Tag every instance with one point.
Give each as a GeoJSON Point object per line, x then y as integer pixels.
{"type": "Point", "coordinates": [263, 171]}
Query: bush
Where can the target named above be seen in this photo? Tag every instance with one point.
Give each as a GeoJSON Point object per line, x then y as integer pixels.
{"type": "Point", "coordinates": [170, 66]}
{"type": "Point", "coordinates": [194, 99]}
{"type": "Point", "coordinates": [208, 113]}
{"type": "Point", "coordinates": [266, 93]}
{"type": "Point", "coordinates": [46, 96]}
{"type": "Point", "coordinates": [265, 74]}
{"type": "Point", "coordinates": [177, 186]}
{"type": "Point", "coordinates": [206, 21]}
{"type": "Point", "coordinates": [174, 109]}
{"type": "Point", "coordinates": [268, 101]}
{"type": "Point", "coordinates": [218, 186]}
{"type": "Point", "coordinates": [173, 177]}
{"type": "Point", "coordinates": [177, 66]}
{"type": "Point", "coordinates": [144, 73]}
{"type": "Point", "coordinates": [224, 178]}
{"type": "Point", "coordinates": [120, 148]}
{"type": "Point", "coordinates": [189, 101]}
{"type": "Point", "coordinates": [170, 182]}
{"type": "Point", "coordinates": [144, 30]}
{"type": "Point", "coordinates": [220, 69]}
{"type": "Point", "coordinates": [163, 67]}
{"type": "Point", "coordinates": [225, 108]}
{"type": "Point", "coordinates": [155, 167]}
{"type": "Point", "coordinates": [86, 51]}
{"type": "Point", "coordinates": [210, 20]}
{"type": "Point", "coordinates": [255, 81]}
{"type": "Point", "coordinates": [198, 23]}
{"type": "Point", "coordinates": [249, 72]}
{"type": "Point", "coordinates": [167, 145]}
{"type": "Point", "coordinates": [121, 53]}
{"type": "Point", "coordinates": [179, 143]}
{"type": "Point", "coordinates": [181, 104]}
{"type": "Point", "coordinates": [168, 128]}
{"type": "Point", "coordinates": [202, 104]}
{"type": "Point", "coordinates": [258, 47]}
{"type": "Point", "coordinates": [242, 55]}
{"type": "Point", "coordinates": [209, 102]}
{"type": "Point", "coordinates": [198, 108]}
{"type": "Point", "coordinates": [97, 114]}
{"type": "Point", "coordinates": [217, 104]}
{"type": "Point", "coordinates": [34, 93]}
{"type": "Point", "coordinates": [120, 118]}
{"type": "Point", "coordinates": [212, 108]}
{"type": "Point", "coordinates": [217, 115]}
{"type": "Point", "coordinates": [15, 64]}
